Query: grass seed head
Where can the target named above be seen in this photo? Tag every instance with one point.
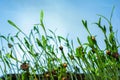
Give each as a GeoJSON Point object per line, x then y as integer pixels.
{"type": "Point", "coordinates": [64, 65]}
{"type": "Point", "coordinates": [108, 52]}
{"type": "Point", "coordinates": [64, 78]}
{"type": "Point", "coordinates": [47, 75]}
{"type": "Point", "coordinates": [93, 38]}
{"type": "Point", "coordinates": [10, 45]}
{"type": "Point", "coordinates": [54, 72]}
{"type": "Point", "coordinates": [116, 55]}
{"type": "Point", "coordinates": [24, 66]}
{"type": "Point", "coordinates": [61, 48]}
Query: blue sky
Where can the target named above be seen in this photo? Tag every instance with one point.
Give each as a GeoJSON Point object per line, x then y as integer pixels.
{"type": "Point", "coordinates": [63, 15]}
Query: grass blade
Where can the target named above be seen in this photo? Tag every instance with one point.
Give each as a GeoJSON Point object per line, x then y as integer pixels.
{"type": "Point", "coordinates": [13, 24]}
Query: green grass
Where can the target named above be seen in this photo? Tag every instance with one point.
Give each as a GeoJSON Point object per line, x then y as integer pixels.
{"type": "Point", "coordinates": [40, 49]}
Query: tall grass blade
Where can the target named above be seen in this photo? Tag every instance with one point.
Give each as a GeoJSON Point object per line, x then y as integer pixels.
{"type": "Point", "coordinates": [11, 23]}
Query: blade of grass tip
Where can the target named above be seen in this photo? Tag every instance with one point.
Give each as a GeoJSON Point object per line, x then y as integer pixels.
{"type": "Point", "coordinates": [112, 13]}
{"type": "Point", "coordinates": [12, 39]}
{"type": "Point", "coordinates": [61, 38]}
{"type": "Point", "coordinates": [104, 18]}
{"type": "Point", "coordinates": [85, 25]}
{"type": "Point", "coordinates": [41, 15]}
{"type": "Point", "coordinates": [27, 43]}
{"type": "Point", "coordinates": [39, 43]}
{"type": "Point", "coordinates": [11, 23]}
{"type": "Point", "coordinates": [78, 40]}
{"type": "Point", "coordinates": [104, 27]}
{"type": "Point", "coordinates": [3, 37]}
{"type": "Point", "coordinates": [41, 20]}
{"type": "Point", "coordinates": [109, 22]}
{"type": "Point", "coordinates": [52, 33]}
{"type": "Point", "coordinates": [100, 26]}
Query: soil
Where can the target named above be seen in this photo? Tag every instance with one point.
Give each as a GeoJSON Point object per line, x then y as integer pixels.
{"type": "Point", "coordinates": [44, 76]}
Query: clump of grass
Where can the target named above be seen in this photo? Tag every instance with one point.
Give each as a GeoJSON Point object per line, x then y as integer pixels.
{"type": "Point", "coordinates": [39, 52]}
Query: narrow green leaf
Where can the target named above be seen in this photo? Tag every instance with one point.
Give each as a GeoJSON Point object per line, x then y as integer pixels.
{"type": "Point", "coordinates": [7, 62]}
{"type": "Point", "coordinates": [99, 22]}
{"type": "Point", "coordinates": [52, 33]}
{"type": "Point", "coordinates": [12, 39]}
{"type": "Point", "coordinates": [111, 37]}
{"type": "Point", "coordinates": [79, 41]}
{"type": "Point", "coordinates": [11, 23]}
{"type": "Point", "coordinates": [27, 43]}
{"type": "Point", "coordinates": [20, 46]}
{"type": "Point", "coordinates": [104, 18]}
{"type": "Point", "coordinates": [100, 26]}
{"type": "Point", "coordinates": [104, 29]}
{"type": "Point", "coordinates": [61, 38]}
{"type": "Point", "coordinates": [108, 46]}
{"type": "Point", "coordinates": [112, 13]}
{"type": "Point", "coordinates": [36, 29]}
{"type": "Point", "coordinates": [90, 41]}
{"type": "Point", "coordinates": [39, 43]}
{"type": "Point", "coordinates": [3, 37]}
{"type": "Point", "coordinates": [110, 28]}
{"type": "Point", "coordinates": [85, 25]}
{"type": "Point", "coordinates": [41, 15]}
{"type": "Point", "coordinates": [44, 41]}
{"type": "Point", "coordinates": [43, 27]}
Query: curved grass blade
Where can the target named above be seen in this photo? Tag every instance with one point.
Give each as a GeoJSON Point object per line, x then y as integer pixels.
{"type": "Point", "coordinates": [112, 13]}
{"type": "Point", "coordinates": [41, 15]}
{"type": "Point", "coordinates": [1, 36]}
{"type": "Point", "coordinates": [41, 22]}
{"type": "Point", "coordinates": [84, 22]}
{"type": "Point", "coordinates": [13, 24]}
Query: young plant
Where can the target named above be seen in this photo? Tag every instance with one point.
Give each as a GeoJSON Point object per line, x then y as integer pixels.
{"type": "Point", "coordinates": [43, 55]}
